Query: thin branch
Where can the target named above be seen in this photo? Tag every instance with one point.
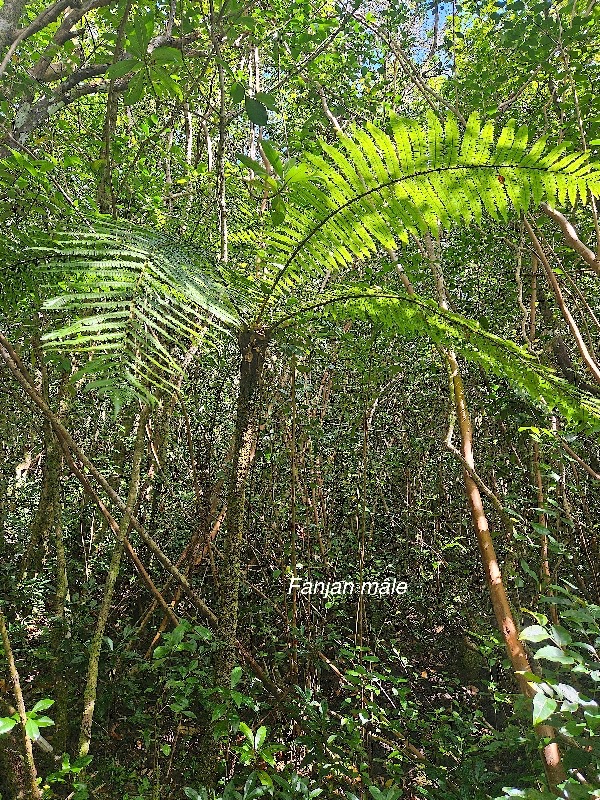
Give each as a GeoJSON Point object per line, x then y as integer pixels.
{"type": "Point", "coordinates": [427, 92]}
{"type": "Point", "coordinates": [44, 19]}
{"type": "Point", "coordinates": [568, 317]}
{"type": "Point", "coordinates": [63, 34]}
{"type": "Point", "coordinates": [436, 29]}
{"type": "Point", "coordinates": [506, 104]}
{"type": "Point", "coordinates": [328, 113]}
{"type": "Point", "coordinates": [580, 461]}
{"type": "Point", "coordinates": [571, 238]}
{"type": "Point", "coordinates": [14, 364]}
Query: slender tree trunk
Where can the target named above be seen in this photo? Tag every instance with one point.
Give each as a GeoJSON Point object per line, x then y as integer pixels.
{"type": "Point", "coordinates": [89, 695]}
{"type": "Point", "coordinates": [551, 757]}
{"type": "Point", "coordinates": [46, 528]}
{"type": "Point", "coordinates": [555, 773]}
{"type": "Point", "coordinates": [253, 346]}
{"type": "Point", "coordinates": [33, 789]}
{"type": "Point", "coordinates": [294, 531]}
{"type": "Point", "coordinates": [587, 357]}
{"type": "Point", "coordinates": [48, 512]}
{"type": "Point", "coordinates": [47, 519]}
{"type": "Point", "coordinates": [105, 193]}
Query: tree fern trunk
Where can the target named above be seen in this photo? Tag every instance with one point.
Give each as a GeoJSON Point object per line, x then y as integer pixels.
{"type": "Point", "coordinates": [253, 346]}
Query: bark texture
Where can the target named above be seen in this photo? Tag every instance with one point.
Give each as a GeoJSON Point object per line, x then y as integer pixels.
{"type": "Point", "coordinates": [253, 346]}
{"type": "Point", "coordinates": [89, 696]}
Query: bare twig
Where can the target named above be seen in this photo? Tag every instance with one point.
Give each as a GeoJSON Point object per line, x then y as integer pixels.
{"type": "Point", "coordinates": [590, 364]}
{"type": "Point", "coordinates": [571, 238]}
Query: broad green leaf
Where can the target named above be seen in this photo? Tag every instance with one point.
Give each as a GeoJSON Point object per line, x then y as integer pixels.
{"type": "Point", "coordinates": [267, 100]}
{"type": "Point", "coordinates": [121, 68]}
{"type": "Point", "coordinates": [164, 83]}
{"type": "Point", "coordinates": [237, 92]}
{"type": "Point", "coordinates": [543, 707]}
{"type": "Point", "coordinates": [44, 722]}
{"type": "Point", "coordinates": [260, 737]}
{"type": "Point", "coordinates": [273, 156]}
{"type": "Point", "coordinates": [278, 210]}
{"type": "Point", "coordinates": [247, 733]}
{"type": "Point", "coordinates": [136, 89]}
{"type": "Point", "coordinates": [6, 724]}
{"type": "Point", "coordinates": [167, 55]}
{"type": "Point", "coordinates": [42, 705]}
{"type": "Point", "coordinates": [592, 719]}
{"type": "Point", "coordinates": [256, 111]}
{"type": "Point", "coordinates": [255, 166]}
{"type": "Point", "coordinates": [236, 676]}
{"type": "Point", "coordinates": [32, 730]}
{"type": "Point", "coordinates": [264, 778]}
{"type": "Point", "coordinates": [555, 654]}
{"type": "Point", "coordinates": [534, 633]}
{"type": "Point", "coordinates": [561, 636]}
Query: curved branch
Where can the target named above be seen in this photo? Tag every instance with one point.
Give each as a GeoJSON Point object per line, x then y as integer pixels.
{"type": "Point", "coordinates": [44, 19]}
{"type": "Point", "coordinates": [63, 34]}
{"type": "Point", "coordinates": [590, 364]}
{"type": "Point", "coordinates": [571, 238]}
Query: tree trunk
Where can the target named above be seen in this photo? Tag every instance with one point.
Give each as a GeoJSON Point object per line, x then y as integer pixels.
{"type": "Point", "coordinates": [253, 346]}
{"type": "Point", "coordinates": [553, 767]}
{"type": "Point", "coordinates": [33, 789]}
{"type": "Point", "coordinates": [47, 514]}
{"type": "Point", "coordinates": [551, 757]}
{"type": "Point", "coordinates": [89, 695]}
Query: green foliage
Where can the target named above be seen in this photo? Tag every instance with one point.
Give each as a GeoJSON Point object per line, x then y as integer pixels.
{"type": "Point", "coordinates": [568, 692]}
{"type": "Point", "coordinates": [34, 720]}
{"type": "Point", "coordinates": [413, 316]}
{"type": "Point", "coordinates": [254, 748]}
{"type": "Point", "coordinates": [139, 299]}
{"type": "Point", "coordinates": [375, 188]}
{"type": "Point", "coordinates": [142, 109]}
{"type": "Point", "coordinates": [260, 784]}
{"type": "Point", "coordinates": [68, 771]}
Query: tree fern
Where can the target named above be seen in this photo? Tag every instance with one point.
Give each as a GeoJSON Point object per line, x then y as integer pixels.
{"type": "Point", "coordinates": [138, 298]}
{"type": "Point", "coordinates": [375, 188]}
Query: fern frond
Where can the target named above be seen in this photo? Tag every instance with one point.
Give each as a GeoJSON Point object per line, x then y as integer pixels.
{"type": "Point", "coordinates": [412, 316]}
{"type": "Point", "coordinates": [138, 299]}
{"type": "Point", "coordinates": [374, 188]}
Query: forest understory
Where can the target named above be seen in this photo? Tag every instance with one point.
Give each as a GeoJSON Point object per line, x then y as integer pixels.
{"type": "Point", "coordinates": [299, 400]}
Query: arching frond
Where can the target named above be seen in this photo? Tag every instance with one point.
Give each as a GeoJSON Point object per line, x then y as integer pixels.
{"type": "Point", "coordinates": [376, 188]}
{"type": "Point", "coordinates": [137, 298]}
{"type": "Point", "coordinates": [417, 317]}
